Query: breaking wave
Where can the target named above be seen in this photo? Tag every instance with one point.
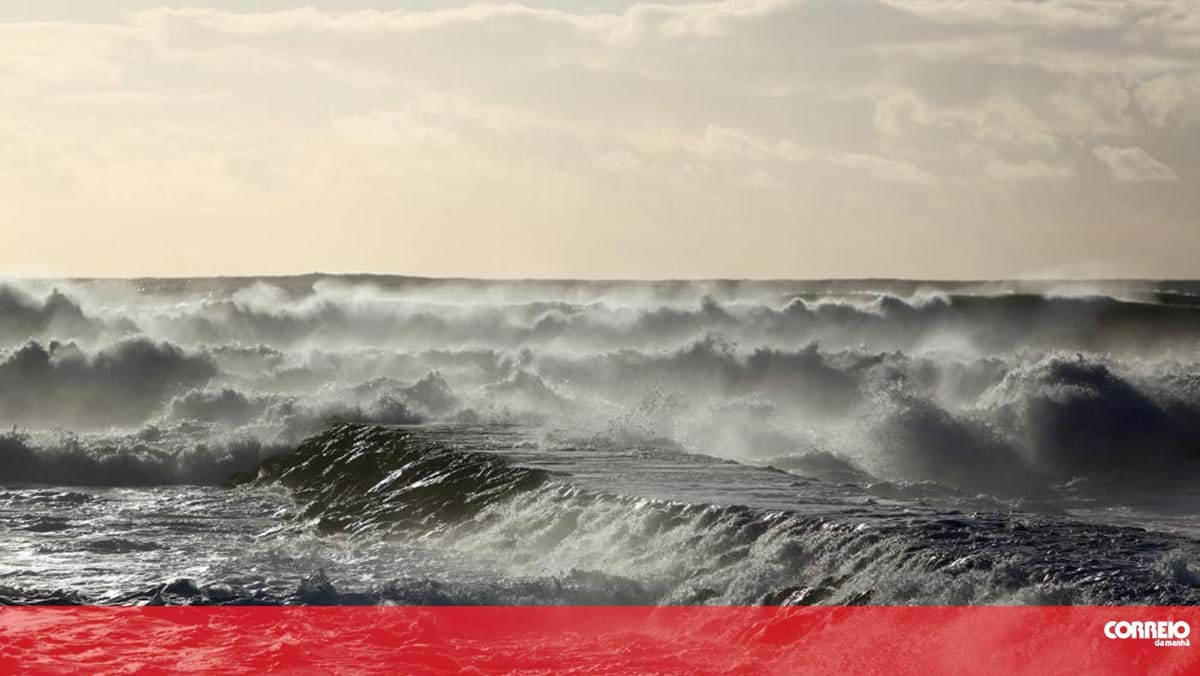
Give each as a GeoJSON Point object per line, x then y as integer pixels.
{"type": "Point", "coordinates": [305, 312]}
{"type": "Point", "coordinates": [58, 384]}
{"type": "Point", "coordinates": [143, 459]}
{"type": "Point", "coordinates": [362, 479]}
{"type": "Point", "coordinates": [887, 441]}
{"type": "Point", "coordinates": [925, 389]}
{"type": "Point", "coordinates": [358, 477]}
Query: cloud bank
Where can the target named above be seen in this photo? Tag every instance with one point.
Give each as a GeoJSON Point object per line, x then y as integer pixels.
{"type": "Point", "coordinates": [489, 139]}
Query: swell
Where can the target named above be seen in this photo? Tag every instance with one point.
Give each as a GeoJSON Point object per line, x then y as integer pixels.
{"type": "Point", "coordinates": [1015, 427]}
{"type": "Point", "coordinates": [1128, 318]}
{"type": "Point", "coordinates": [367, 478]}
{"type": "Point", "coordinates": [136, 460]}
{"type": "Point", "coordinates": [1006, 388]}
{"type": "Point", "coordinates": [360, 477]}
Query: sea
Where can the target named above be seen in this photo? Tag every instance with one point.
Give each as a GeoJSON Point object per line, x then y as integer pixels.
{"type": "Point", "coordinates": [372, 440]}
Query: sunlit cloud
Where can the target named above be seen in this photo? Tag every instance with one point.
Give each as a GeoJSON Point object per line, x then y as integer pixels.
{"type": "Point", "coordinates": [834, 129]}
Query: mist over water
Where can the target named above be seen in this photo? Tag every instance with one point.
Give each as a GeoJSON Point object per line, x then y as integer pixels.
{"type": "Point", "coordinates": [903, 402]}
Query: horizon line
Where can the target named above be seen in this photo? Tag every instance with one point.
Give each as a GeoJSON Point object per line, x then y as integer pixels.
{"type": "Point", "coordinates": [609, 280]}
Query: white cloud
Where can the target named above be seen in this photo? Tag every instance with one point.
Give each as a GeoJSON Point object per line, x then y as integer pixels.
{"type": "Point", "coordinates": [1064, 14]}
{"type": "Point", "coordinates": [884, 169]}
{"type": "Point", "coordinates": [44, 55]}
{"type": "Point", "coordinates": [1133, 165]}
{"type": "Point", "coordinates": [393, 128]}
{"type": "Point", "coordinates": [851, 114]}
{"type": "Point", "coordinates": [1169, 98]}
{"type": "Point", "coordinates": [739, 143]}
{"type": "Point", "coordinates": [1031, 170]}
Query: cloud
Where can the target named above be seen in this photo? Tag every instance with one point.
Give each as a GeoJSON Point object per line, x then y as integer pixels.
{"type": "Point", "coordinates": [660, 118]}
{"type": "Point", "coordinates": [34, 56]}
{"type": "Point", "coordinates": [1170, 98]}
{"type": "Point", "coordinates": [392, 128]}
{"type": "Point", "coordinates": [1133, 165]}
{"type": "Point", "coordinates": [884, 169]}
{"type": "Point", "coordinates": [1032, 170]}
{"type": "Point", "coordinates": [718, 141]}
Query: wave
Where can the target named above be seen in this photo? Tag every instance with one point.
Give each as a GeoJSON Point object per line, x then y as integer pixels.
{"type": "Point", "coordinates": [928, 439]}
{"type": "Point", "coordinates": [1007, 426]}
{"type": "Point", "coordinates": [363, 478]}
{"type": "Point", "coordinates": [23, 315]}
{"type": "Point", "coordinates": [1006, 388]}
{"type": "Point", "coordinates": [207, 436]}
{"type": "Point", "coordinates": [141, 459]}
{"type": "Point", "coordinates": [1075, 416]}
{"type": "Point", "coordinates": [360, 477]}
{"type": "Point", "coordinates": [59, 384]}
{"type": "Point", "coordinates": [998, 318]}
{"type": "Point", "coordinates": [574, 588]}
{"type": "Point", "coordinates": [982, 324]}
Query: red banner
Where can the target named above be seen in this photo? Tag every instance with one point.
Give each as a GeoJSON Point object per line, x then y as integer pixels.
{"type": "Point", "coordinates": [693, 640]}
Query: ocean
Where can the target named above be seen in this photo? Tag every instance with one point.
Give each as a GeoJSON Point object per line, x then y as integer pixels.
{"type": "Point", "coordinates": [365, 439]}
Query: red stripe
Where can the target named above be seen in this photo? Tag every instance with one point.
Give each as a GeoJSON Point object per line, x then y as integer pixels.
{"type": "Point", "coordinates": [921, 640]}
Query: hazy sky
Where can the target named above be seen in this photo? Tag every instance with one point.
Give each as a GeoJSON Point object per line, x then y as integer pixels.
{"type": "Point", "coordinates": [755, 138]}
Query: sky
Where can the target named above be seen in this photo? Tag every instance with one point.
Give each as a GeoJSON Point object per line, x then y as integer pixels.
{"type": "Point", "coordinates": [741, 139]}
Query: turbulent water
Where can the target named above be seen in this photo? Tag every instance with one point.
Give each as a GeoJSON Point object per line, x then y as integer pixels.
{"type": "Point", "coordinates": [367, 439]}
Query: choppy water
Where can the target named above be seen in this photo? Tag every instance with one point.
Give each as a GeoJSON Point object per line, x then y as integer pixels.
{"type": "Point", "coordinates": [692, 442]}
